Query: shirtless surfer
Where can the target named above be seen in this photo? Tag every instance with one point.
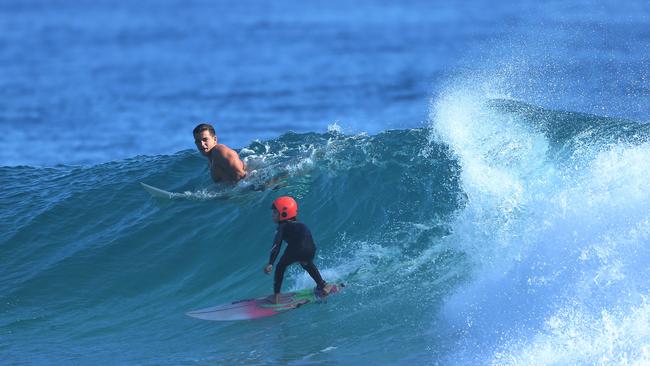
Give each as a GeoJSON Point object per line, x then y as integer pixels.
{"type": "Point", "coordinates": [224, 162]}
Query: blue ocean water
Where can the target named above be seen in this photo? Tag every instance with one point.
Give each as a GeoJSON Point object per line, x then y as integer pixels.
{"type": "Point", "coordinates": [475, 173]}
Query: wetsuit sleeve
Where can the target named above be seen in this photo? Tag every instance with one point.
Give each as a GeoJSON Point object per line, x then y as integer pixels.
{"type": "Point", "coordinates": [277, 243]}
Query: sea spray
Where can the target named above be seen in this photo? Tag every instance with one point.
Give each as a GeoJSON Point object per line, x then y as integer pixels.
{"type": "Point", "coordinates": [556, 229]}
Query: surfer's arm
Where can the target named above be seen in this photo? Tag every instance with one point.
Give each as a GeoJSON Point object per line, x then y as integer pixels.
{"type": "Point", "coordinates": [227, 160]}
{"type": "Point", "coordinates": [238, 167]}
{"type": "Point", "coordinates": [277, 243]}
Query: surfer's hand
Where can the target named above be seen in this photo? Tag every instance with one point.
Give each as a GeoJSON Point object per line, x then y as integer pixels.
{"type": "Point", "coordinates": [268, 268]}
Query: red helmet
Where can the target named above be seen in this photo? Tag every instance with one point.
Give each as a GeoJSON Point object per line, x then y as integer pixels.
{"type": "Point", "coordinates": [286, 206]}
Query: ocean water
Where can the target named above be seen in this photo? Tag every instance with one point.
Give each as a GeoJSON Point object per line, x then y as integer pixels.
{"type": "Point", "coordinates": [476, 174]}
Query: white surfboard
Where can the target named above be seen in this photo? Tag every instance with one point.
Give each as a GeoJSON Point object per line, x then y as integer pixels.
{"type": "Point", "coordinates": [263, 306]}
{"type": "Point", "coordinates": [199, 195]}
{"type": "Point", "coordinates": [161, 193]}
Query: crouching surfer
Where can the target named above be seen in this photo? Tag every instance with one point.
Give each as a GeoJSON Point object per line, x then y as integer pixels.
{"type": "Point", "coordinates": [300, 246]}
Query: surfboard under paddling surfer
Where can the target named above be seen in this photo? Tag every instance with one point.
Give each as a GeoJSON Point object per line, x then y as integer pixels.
{"type": "Point", "coordinates": [300, 246]}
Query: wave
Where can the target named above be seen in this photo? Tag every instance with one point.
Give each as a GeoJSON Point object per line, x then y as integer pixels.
{"type": "Point", "coordinates": [500, 231]}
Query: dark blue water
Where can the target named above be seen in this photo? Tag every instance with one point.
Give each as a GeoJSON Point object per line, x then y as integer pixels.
{"type": "Point", "coordinates": [476, 173]}
{"type": "Point", "coordinates": [92, 81]}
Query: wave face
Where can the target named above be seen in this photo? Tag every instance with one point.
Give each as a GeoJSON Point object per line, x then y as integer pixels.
{"type": "Point", "coordinates": [503, 233]}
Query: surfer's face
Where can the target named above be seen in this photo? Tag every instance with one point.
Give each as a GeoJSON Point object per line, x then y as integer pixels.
{"type": "Point", "coordinates": [276, 215]}
{"type": "Point", "coordinates": [205, 142]}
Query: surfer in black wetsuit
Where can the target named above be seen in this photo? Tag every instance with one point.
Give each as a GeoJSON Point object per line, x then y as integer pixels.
{"type": "Point", "coordinates": [300, 246]}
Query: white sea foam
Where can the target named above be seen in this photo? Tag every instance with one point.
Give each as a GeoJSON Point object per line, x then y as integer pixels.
{"type": "Point", "coordinates": [560, 251]}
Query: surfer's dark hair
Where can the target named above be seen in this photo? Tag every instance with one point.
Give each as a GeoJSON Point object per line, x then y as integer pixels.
{"type": "Point", "coordinates": [204, 127]}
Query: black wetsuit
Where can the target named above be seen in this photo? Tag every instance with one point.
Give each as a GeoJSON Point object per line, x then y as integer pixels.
{"type": "Point", "coordinates": [300, 248]}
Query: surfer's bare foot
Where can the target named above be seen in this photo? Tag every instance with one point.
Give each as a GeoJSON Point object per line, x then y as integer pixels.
{"type": "Point", "coordinates": [276, 299]}
{"type": "Point", "coordinates": [326, 289]}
